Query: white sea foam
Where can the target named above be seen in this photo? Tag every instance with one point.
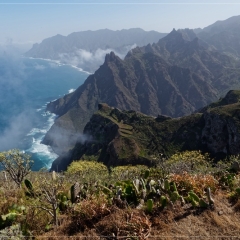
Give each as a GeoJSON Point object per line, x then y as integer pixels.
{"type": "Point", "coordinates": [41, 108]}
{"type": "Point", "coordinates": [51, 119]}
{"type": "Point", "coordinates": [46, 59]}
{"type": "Point", "coordinates": [43, 151]}
{"type": "Point", "coordinates": [71, 90]}
{"type": "Point", "coordinates": [78, 68]}
{"type": "Point", "coordinates": [62, 64]}
{"type": "Point", "coordinates": [35, 131]}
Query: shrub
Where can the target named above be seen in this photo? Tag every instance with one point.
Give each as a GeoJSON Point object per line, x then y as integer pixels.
{"type": "Point", "coordinates": [87, 171]}
{"type": "Point", "coordinates": [17, 164]}
{"type": "Point", "coordinates": [196, 182]}
{"type": "Point", "coordinates": [127, 172]}
{"type": "Point", "coordinates": [86, 167]}
{"type": "Point", "coordinates": [188, 161]}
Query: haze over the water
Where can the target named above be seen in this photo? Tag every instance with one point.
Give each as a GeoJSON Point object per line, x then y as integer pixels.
{"type": "Point", "coordinates": [30, 21]}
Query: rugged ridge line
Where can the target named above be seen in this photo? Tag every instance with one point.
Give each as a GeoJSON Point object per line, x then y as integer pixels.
{"type": "Point", "coordinates": [174, 77]}
{"type": "Point", "coordinates": [73, 48]}
{"type": "Point", "coordinates": [129, 137]}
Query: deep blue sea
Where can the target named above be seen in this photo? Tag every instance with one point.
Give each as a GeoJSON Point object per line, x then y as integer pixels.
{"type": "Point", "coordinates": [26, 86]}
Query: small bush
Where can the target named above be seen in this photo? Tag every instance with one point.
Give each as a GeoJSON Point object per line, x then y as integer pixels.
{"type": "Point", "coordinates": [188, 161]}
{"type": "Point", "coordinates": [87, 167]}
{"type": "Point", "coordinates": [196, 182]}
{"type": "Point", "coordinates": [127, 172]}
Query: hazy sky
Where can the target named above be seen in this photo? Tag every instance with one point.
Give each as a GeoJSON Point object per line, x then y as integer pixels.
{"type": "Point", "coordinates": [33, 20]}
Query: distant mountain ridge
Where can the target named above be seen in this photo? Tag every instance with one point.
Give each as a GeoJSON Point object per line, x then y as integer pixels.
{"type": "Point", "coordinates": [223, 35]}
{"type": "Point", "coordinates": [184, 49]}
{"type": "Point", "coordinates": [87, 49]}
{"type": "Point", "coordinates": [175, 76]}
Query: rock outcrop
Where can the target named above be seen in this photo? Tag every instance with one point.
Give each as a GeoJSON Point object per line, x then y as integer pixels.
{"type": "Point", "coordinates": [117, 137]}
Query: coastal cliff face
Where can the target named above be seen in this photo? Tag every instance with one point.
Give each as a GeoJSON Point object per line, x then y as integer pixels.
{"type": "Point", "coordinates": [159, 89]}
{"type": "Point", "coordinates": [175, 77]}
{"type": "Point", "coordinates": [117, 137]}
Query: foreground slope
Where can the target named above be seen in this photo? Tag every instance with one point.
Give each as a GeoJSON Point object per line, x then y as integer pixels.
{"type": "Point", "coordinates": [118, 137]}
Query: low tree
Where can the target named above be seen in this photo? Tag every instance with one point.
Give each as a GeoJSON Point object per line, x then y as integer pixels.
{"type": "Point", "coordinates": [17, 164]}
{"type": "Point", "coordinates": [49, 192]}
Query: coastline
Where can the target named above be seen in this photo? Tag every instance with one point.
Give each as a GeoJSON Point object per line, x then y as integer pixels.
{"type": "Point", "coordinates": [60, 64]}
{"type": "Point", "coordinates": [43, 154]}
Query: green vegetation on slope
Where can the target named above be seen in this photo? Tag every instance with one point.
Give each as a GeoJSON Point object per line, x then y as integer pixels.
{"type": "Point", "coordinates": [117, 137]}
{"type": "Point", "coordinates": [127, 201]}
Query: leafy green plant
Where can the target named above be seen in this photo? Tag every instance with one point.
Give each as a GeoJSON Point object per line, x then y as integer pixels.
{"type": "Point", "coordinates": [9, 218]}
{"type": "Point", "coordinates": [29, 186]}
{"type": "Point", "coordinates": [149, 205]}
{"type": "Point", "coordinates": [87, 167]}
{"type": "Point", "coordinates": [227, 180]}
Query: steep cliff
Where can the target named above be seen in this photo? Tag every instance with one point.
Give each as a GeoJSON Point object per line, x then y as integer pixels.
{"type": "Point", "coordinates": [173, 77]}
{"type": "Point", "coordinates": [118, 137]}
{"type": "Point", "coordinates": [143, 82]}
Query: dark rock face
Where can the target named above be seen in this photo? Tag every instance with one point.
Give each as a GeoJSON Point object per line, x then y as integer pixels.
{"type": "Point", "coordinates": [173, 77]}
{"type": "Point", "coordinates": [220, 134]}
{"type": "Point", "coordinates": [151, 92]}
{"type": "Point", "coordinates": [129, 137]}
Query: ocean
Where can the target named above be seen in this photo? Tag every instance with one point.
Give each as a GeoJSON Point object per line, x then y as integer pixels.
{"type": "Point", "coordinates": [26, 86]}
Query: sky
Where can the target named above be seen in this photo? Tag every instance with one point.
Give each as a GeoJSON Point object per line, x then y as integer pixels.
{"type": "Point", "coordinates": [31, 21]}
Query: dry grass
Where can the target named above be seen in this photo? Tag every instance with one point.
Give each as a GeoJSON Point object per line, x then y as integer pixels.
{"type": "Point", "coordinates": [197, 182]}
{"type": "Point", "coordinates": [97, 218]}
{"type": "Point", "coordinates": [122, 223]}
{"type": "Point", "coordinates": [221, 222]}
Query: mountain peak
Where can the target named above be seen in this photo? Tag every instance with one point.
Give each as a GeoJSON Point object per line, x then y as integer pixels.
{"type": "Point", "coordinates": [110, 57]}
{"type": "Point", "coordinates": [174, 32]}
{"type": "Point", "coordinates": [180, 34]}
{"type": "Point", "coordinates": [173, 41]}
{"type": "Point", "coordinates": [187, 34]}
{"type": "Point", "coordinates": [173, 36]}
